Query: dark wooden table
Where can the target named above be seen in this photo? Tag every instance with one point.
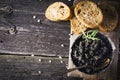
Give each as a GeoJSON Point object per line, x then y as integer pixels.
{"type": "Point", "coordinates": [32, 47]}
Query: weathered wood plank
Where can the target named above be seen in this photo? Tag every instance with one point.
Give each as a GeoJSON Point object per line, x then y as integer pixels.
{"type": "Point", "coordinates": [32, 37]}
{"type": "Point", "coordinates": [13, 67]}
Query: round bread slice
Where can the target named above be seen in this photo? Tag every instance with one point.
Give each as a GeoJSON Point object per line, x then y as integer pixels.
{"type": "Point", "coordinates": [76, 26]}
{"type": "Point", "coordinates": [58, 11]}
{"type": "Point", "coordinates": [110, 18]}
{"type": "Point", "coordinates": [88, 13]}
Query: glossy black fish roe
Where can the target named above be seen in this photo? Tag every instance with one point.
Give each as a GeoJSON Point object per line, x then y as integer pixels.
{"type": "Point", "coordinates": [92, 53]}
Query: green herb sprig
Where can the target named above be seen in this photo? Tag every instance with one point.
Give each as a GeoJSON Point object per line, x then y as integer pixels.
{"type": "Point", "coordinates": [91, 34]}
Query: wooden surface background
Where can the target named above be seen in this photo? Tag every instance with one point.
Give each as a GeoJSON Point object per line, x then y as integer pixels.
{"type": "Point", "coordinates": [35, 51]}
{"type": "Point", "coordinates": [32, 37]}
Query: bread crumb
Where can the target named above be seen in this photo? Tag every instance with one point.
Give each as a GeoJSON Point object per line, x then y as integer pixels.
{"type": "Point", "coordinates": [34, 17]}
{"type": "Point", "coordinates": [61, 61]}
{"type": "Point", "coordinates": [60, 57]}
{"type": "Point", "coordinates": [62, 45]}
{"type": "Point", "coordinates": [32, 55]}
{"type": "Point", "coordinates": [40, 60]}
{"type": "Point", "coordinates": [50, 61]}
{"type": "Point", "coordinates": [39, 72]}
{"type": "Point", "coordinates": [38, 20]}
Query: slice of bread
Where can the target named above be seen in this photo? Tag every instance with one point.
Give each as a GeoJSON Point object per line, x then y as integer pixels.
{"type": "Point", "coordinates": [58, 11]}
{"type": "Point", "coordinates": [110, 18]}
{"type": "Point", "coordinates": [76, 26]}
{"type": "Point", "coordinates": [88, 13]}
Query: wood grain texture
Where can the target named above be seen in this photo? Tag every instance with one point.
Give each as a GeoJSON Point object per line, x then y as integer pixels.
{"type": "Point", "coordinates": [33, 37]}
{"type": "Point", "coordinates": [13, 67]}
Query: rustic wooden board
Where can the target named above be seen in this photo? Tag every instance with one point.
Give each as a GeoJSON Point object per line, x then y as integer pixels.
{"type": "Point", "coordinates": [14, 67]}
{"type": "Point", "coordinates": [32, 37]}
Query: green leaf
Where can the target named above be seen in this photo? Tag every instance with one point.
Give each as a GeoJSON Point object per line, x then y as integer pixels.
{"type": "Point", "coordinates": [91, 34]}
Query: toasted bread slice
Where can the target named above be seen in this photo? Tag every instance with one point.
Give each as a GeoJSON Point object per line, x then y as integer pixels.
{"type": "Point", "coordinates": [58, 11]}
{"type": "Point", "coordinates": [110, 18]}
{"type": "Point", "coordinates": [76, 26]}
{"type": "Point", "coordinates": [88, 13]}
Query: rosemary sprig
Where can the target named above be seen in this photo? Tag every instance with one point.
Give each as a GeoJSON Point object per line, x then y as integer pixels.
{"type": "Point", "coordinates": [91, 34]}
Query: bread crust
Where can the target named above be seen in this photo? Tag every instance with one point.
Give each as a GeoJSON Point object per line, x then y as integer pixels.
{"type": "Point", "coordinates": [110, 19]}
{"type": "Point", "coordinates": [88, 13]}
{"type": "Point", "coordinates": [76, 26]}
{"type": "Point", "coordinates": [58, 11]}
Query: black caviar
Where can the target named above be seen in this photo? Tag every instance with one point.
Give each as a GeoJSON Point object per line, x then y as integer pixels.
{"type": "Point", "coordinates": [91, 53]}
